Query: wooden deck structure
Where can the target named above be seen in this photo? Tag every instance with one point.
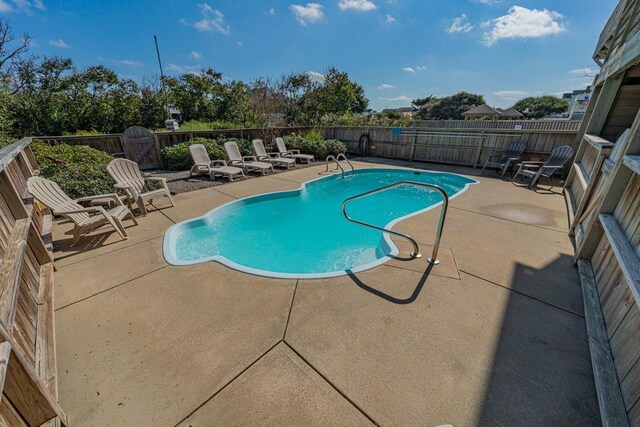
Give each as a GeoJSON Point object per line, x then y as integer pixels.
{"type": "Point", "coordinates": [604, 185]}
{"type": "Point", "coordinates": [28, 379]}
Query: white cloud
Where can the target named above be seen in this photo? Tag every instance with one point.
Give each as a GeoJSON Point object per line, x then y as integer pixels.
{"type": "Point", "coordinates": [316, 77]}
{"type": "Point", "coordinates": [212, 20]}
{"type": "Point", "coordinates": [195, 54]}
{"type": "Point", "coordinates": [21, 6]}
{"type": "Point", "coordinates": [460, 25]}
{"type": "Point", "coordinates": [128, 63]}
{"type": "Point", "coordinates": [414, 69]}
{"type": "Point", "coordinates": [357, 5]}
{"type": "Point", "coordinates": [390, 19]}
{"type": "Point", "coordinates": [511, 94]}
{"type": "Point", "coordinates": [239, 43]}
{"type": "Point", "coordinates": [584, 72]}
{"type": "Point", "coordinates": [488, 1]}
{"type": "Point", "coordinates": [59, 43]}
{"type": "Point", "coordinates": [184, 68]}
{"type": "Point", "coordinates": [520, 22]}
{"type": "Point", "coordinates": [401, 98]}
{"type": "Point", "coordinates": [270, 12]}
{"type": "Point", "coordinates": [308, 14]}
{"type": "Point", "coordinates": [384, 86]}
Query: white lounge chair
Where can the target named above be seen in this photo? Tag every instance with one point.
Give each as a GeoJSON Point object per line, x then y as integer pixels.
{"type": "Point", "coordinates": [294, 154]}
{"type": "Point", "coordinates": [274, 158]}
{"type": "Point", "coordinates": [203, 164]}
{"type": "Point", "coordinates": [534, 170]}
{"type": "Point", "coordinates": [85, 219]}
{"type": "Point", "coordinates": [248, 163]}
{"type": "Point", "coordinates": [128, 178]}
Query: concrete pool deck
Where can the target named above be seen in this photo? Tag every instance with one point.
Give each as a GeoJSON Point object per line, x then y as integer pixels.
{"type": "Point", "coordinates": [495, 335]}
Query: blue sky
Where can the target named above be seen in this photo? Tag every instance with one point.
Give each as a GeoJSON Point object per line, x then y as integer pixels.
{"type": "Point", "coordinates": [397, 49]}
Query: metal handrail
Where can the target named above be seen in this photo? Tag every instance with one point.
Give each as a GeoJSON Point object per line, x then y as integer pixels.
{"type": "Point", "coordinates": [433, 259]}
{"type": "Point", "coordinates": [336, 162]}
{"type": "Point", "coordinates": [347, 160]}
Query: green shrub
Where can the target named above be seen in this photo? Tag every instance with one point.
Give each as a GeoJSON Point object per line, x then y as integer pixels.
{"type": "Point", "coordinates": [178, 157]}
{"type": "Point", "coordinates": [314, 135]}
{"type": "Point", "coordinates": [79, 170]}
{"type": "Point", "coordinates": [320, 149]}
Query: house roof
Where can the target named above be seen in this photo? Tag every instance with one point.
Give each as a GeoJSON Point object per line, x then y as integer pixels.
{"type": "Point", "coordinates": [482, 110]}
{"type": "Point", "coordinates": [511, 112]}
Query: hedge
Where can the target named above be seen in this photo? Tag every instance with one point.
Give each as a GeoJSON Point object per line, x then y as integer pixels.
{"type": "Point", "coordinates": [79, 170]}
{"type": "Point", "coordinates": [319, 148]}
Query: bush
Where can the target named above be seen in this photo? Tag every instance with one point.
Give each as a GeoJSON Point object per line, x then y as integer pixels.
{"type": "Point", "coordinates": [320, 149]}
{"type": "Point", "coordinates": [79, 170]}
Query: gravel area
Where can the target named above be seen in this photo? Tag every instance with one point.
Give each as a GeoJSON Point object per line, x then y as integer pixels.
{"type": "Point", "coordinates": [180, 182]}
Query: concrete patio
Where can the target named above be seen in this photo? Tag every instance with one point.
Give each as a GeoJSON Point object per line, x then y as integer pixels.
{"type": "Point", "coordinates": [495, 335]}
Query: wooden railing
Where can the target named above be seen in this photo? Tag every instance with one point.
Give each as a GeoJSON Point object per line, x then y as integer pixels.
{"type": "Point", "coordinates": [28, 377]}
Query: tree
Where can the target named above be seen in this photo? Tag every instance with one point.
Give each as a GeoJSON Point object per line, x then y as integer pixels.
{"type": "Point", "coordinates": [153, 103]}
{"type": "Point", "coordinates": [11, 52]}
{"type": "Point", "coordinates": [447, 108]}
{"type": "Point", "coordinates": [537, 107]}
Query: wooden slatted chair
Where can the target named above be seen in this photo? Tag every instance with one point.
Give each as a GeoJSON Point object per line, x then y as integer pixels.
{"type": "Point", "coordinates": [273, 158]}
{"type": "Point", "coordinates": [203, 164]}
{"type": "Point", "coordinates": [534, 170]}
{"type": "Point", "coordinates": [85, 219]}
{"type": "Point", "coordinates": [129, 179]}
{"type": "Point", "coordinates": [294, 154]}
{"type": "Point", "coordinates": [503, 161]}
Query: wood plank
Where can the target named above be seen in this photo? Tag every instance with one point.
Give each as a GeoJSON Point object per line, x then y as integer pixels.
{"type": "Point", "coordinates": [632, 162]}
{"type": "Point", "coordinates": [9, 415]}
{"type": "Point", "coordinates": [27, 392]}
{"type": "Point", "coordinates": [598, 142]}
{"type": "Point", "coordinates": [5, 354]}
{"type": "Point", "coordinates": [610, 401]}
{"type": "Point", "coordinates": [625, 254]}
{"type": "Point", "coordinates": [10, 271]}
{"type": "Point", "coordinates": [45, 339]}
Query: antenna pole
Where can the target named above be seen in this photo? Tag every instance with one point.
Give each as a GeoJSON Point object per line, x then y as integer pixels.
{"type": "Point", "coordinates": [155, 39]}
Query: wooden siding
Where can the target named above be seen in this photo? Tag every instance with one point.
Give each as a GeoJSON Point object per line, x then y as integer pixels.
{"type": "Point", "coordinates": [27, 343]}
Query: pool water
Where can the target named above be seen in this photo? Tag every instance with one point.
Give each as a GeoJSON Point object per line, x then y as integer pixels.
{"type": "Point", "coordinates": [302, 233]}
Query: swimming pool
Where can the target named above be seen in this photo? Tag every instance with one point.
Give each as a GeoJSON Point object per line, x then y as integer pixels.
{"type": "Point", "coordinates": [302, 233]}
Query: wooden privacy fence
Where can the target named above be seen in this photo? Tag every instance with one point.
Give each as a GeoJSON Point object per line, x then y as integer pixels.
{"type": "Point", "coordinates": [457, 142]}
{"type": "Point", "coordinates": [27, 340]}
{"type": "Point", "coordinates": [449, 145]}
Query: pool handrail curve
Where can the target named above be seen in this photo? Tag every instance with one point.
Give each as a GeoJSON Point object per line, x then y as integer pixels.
{"type": "Point", "coordinates": [433, 259]}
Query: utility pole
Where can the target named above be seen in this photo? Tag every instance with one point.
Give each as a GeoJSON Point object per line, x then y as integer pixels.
{"type": "Point", "coordinates": [155, 39]}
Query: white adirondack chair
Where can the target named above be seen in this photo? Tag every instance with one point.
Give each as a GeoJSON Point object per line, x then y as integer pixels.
{"type": "Point", "coordinates": [85, 219]}
{"type": "Point", "coordinates": [128, 178]}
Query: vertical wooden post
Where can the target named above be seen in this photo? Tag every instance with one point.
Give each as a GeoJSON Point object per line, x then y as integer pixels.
{"type": "Point", "coordinates": [476, 156]}
{"type": "Point", "coordinates": [413, 146]}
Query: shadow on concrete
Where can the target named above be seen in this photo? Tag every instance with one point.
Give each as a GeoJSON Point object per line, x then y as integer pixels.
{"type": "Point", "coordinates": [541, 371]}
{"type": "Point", "coordinates": [388, 297]}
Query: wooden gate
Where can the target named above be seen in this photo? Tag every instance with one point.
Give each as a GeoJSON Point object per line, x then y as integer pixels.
{"type": "Point", "coordinates": [140, 146]}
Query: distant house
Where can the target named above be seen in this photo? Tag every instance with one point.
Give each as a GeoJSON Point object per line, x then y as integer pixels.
{"type": "Point", "coordinates": [578, 102]}
{"type": "Point", "coordinates": [484, 111]}
{"type": "Point", "coordinates": [402, 111]}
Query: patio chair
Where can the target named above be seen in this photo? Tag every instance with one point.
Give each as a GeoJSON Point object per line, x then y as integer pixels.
{"type": "Point", "coordinates": [294, 154]}
{"type": "Point", "coordinates": [274, 158]}
{"type": "Point", "coordinates": [203, 164]}
{"type": "Point", "coordinates": [85, 219]}
{"type": "Point", "coordinates": [534, 170]}
{"type": "Point", "coordinates": [503, 161]}
{"type": "Point", "coordinates": [129, 179]}
{"type": "Point", "coordinates": [248, 163]}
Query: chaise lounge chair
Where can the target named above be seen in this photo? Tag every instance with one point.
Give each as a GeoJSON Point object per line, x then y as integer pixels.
{"type": "Point", "coordinates": [248, 163]}
{"type": "Point", "coordinates": [85, 219]}
{"type": "Point", "coordinates": [294, 154]}
{"type": "Point", "coordinates": [274, 158]}
{"type": "Point", "coordinates": [505, 159]}
{"type": "Point", "coordinates": [128, 178]}
{"type": "Point", "coordinates": [534, 170]}
{"type": "Point", "coordinates": [203, 164]}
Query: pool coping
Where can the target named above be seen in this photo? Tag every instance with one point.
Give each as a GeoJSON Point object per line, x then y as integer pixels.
{"type": "Point", "coordinates": [169, 238]}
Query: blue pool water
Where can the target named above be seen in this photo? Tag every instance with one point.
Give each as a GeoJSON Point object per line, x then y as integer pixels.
{"type": "Point", "coordinates": [302, 233]}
